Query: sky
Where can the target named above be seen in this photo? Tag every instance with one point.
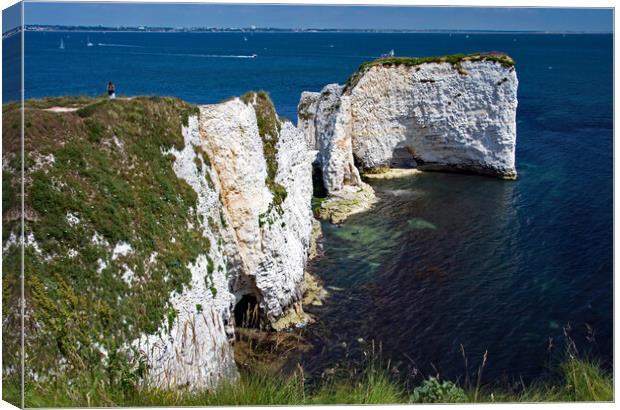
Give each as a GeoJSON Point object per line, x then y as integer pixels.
{"type": "Point", "coordinates": [347, 17]}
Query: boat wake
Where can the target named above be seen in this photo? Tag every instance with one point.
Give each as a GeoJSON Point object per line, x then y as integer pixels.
{"type": "Point", "coordinates": [117, 45]}
{"type": "Point", "coordinates": [206, 55]}
{"type": "Point", "coordinates": [195, 55]}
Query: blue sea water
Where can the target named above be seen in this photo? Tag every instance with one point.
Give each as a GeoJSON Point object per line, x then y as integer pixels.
{"type": "Point", "coordinates": [444, 260]}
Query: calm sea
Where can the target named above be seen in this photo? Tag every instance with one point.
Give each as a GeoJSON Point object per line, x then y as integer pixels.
{"type": "Point", "coordinates": [444, 260]}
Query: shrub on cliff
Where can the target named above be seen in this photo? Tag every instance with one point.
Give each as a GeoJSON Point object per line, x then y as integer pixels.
{"type": "Point", "coordinates": [434, 391]}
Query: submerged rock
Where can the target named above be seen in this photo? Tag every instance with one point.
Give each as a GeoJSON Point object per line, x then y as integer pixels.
{"type": "Point", "coordinates": [419, 223]}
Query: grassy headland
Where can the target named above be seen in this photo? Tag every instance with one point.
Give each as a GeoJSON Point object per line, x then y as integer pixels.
{"type": "Point", "coordinates": [96, 179]}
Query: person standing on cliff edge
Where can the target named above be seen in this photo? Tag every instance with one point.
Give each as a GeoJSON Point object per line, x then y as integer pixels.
{"type": "Point", "coordinates": [111, 90]}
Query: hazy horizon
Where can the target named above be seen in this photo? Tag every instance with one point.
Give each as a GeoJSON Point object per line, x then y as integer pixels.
{"type": "Point", "coordinates": [335, 17]}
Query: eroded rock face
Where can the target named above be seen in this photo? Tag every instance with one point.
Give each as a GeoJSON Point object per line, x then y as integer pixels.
{"type": "Point", "coordinates": [190, 223]}
{"type": "Point", "coordinates": [306, 113]}
{"type": "Point", "coordinates": [272, 244]}
{"type": "Point", "coordinates": [255, 250]}
{"type": "Point", "coordinates": [432, 115]}
{"type": "Point", "coordinates": [333, 137]}
{"type": "Point", "coordinates": [447, 119]}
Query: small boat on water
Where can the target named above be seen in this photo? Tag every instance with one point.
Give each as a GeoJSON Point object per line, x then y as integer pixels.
{"type": "Point", "coordinates": [62, 45]}
{"type": "Point", "coordinates": [254, 56]}
{"type": "Point", "coordinates": [88, 43]}
{"type": "Point", "coordinates": [390, 54]}
{"type": "Point", "coordinates": [245, 38]}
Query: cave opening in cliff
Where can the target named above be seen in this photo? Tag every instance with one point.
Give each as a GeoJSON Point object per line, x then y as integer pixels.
{"type": "Point", "coordinates": [318, 187]}
{"type": "Point", "coordinates": [403, 157]}
{"type": "Point", "coordinates": [247, 312]}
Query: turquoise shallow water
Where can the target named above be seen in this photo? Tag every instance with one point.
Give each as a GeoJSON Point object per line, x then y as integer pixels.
{"type": "Point", "coordinates": [443, 259]}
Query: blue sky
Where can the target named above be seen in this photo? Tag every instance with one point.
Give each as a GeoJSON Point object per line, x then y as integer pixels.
{"type": "Point", "coordinates": [187, 15]}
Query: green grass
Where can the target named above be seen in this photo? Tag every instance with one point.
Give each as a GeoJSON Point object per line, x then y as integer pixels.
{"type": "Point", "coordinates": [576, 380]}
{"type": "Point", "coordinates": [63, 101]}
{"type": "Point", "coordinates": [454, 59]}
{"type": "Point", "coordinates": [110, 172]}
{"type": "Point", "coordinates": [580, 380]}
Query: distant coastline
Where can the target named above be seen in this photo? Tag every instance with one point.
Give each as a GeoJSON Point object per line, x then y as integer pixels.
{"type": "Point", "coordinates": [148, 29]}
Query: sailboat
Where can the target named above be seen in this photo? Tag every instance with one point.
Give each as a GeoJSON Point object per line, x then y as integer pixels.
{"type": "Point", "coordinates": [390, 54]}
{"type": "Point", "coordinates": [245, 38]}
{"type": "Point", "coordinates": [88, 43]}
{"type": "Point", "coordinates": [62, 45]}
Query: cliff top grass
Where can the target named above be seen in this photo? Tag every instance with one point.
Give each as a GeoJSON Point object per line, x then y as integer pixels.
{"type": "Point", "coordinates": [97, 178]}
{"type": "Point", "coordinates": [454, 59]}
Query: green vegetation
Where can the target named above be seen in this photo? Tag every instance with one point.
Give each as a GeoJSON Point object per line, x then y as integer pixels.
{"type": "Point", "coordinates": [454, 59]}
{"type": "Point", "coordinates": [269, 126]}
{"type": "Point", "coordinates": [433, 390]}
{"type": "Point", "coordinates": [578, 380]}
{"type": "Point", "coordinates": [97, 178]}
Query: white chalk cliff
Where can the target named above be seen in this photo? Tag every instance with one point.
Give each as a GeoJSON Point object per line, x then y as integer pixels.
{"type": "Point", "coordinates": [272, 246]}
{"type": "Point", "coordinates": [436, 115]}
{"type": "Point", "coordinates": [257, 250]}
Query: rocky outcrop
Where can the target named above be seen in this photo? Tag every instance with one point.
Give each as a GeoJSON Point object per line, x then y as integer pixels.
{"type": "Point", "coordinates": [271, 241]}
{"type": "Point", "coordinates": [306, 113]}
{"type": "Point", "coordinates": [456, 113]}
{"type": "Point", "coordinates": [327, 116]}
{"type": "Point", "coordinates": [262, 238]}
{"type": "Point", "coordinates": [333, 127]}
